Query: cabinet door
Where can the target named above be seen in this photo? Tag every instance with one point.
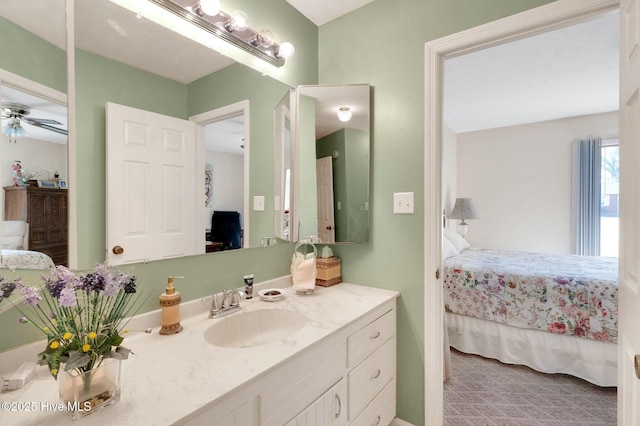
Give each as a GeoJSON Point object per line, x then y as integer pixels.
{"type": "Point", "coordinates": [328, 409]}
{"type": "Point", "coordinates": [36, 217]}
{"type": "Point", "coordinates": [56, 217]}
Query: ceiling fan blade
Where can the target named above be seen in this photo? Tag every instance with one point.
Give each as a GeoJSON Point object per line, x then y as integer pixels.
{"type": "Point", "coordinates": [48, 127]}
{"type": "Point", "coordinates": [40, 120]}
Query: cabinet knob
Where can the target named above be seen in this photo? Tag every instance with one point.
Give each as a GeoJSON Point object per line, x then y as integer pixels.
{"type": "Point", "coordinates": [117, 250]}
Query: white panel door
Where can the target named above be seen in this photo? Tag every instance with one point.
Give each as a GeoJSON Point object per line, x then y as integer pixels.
{"type": "Point", "coordinates": [324, 183]}
{"type": "Point", "coordinates": [629, 291]}
{"type": "Point", "coordinates": [151, 186]}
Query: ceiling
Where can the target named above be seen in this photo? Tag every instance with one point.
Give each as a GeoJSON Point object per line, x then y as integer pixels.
{"type": "Point", "coordinates": [563, 73]}
{"type": "Point", "coordinates": [321, 12]}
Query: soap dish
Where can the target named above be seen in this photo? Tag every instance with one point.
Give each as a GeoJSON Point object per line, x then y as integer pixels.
{"type": "Point", "coordinates": [271, 294]}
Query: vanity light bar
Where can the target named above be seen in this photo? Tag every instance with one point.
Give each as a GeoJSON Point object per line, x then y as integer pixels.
{"type": "Point", "coordinates": [216, 25]}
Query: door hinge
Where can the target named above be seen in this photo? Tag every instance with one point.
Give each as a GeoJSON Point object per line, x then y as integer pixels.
{"type": "Point", "coordinates": [438, 274]}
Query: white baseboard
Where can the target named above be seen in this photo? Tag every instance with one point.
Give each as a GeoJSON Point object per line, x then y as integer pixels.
{"type": "Point", "coordinates": [399, 422]}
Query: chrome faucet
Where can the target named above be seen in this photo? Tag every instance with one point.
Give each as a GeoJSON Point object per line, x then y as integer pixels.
{"type": "Point", "coordinates": [229, 303]}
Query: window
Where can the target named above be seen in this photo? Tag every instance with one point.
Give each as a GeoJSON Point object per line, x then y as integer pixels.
{"type": "Point", "coordinates": [609, 193]}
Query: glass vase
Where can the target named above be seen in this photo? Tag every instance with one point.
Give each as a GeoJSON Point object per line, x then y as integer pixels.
{"type": "Point", "coordinates": [90, 391]}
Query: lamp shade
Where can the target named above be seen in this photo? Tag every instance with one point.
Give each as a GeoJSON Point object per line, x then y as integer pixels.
{"type": "Point", "coordinates": [463, 209]}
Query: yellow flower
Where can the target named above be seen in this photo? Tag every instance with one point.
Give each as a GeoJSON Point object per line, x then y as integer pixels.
{"type": "Point", "coordinates": [92, 335]}
{"type": "Point", "coordinates": [66, 336]}
{"type": "Point", "coordinates": [45, 329]}
{"type": "Point", "coordinates": [86, 347]}
{"type": "Point", "coordinates": [54, 371]}
{"type": "Point", "coordinates": [54, 344]}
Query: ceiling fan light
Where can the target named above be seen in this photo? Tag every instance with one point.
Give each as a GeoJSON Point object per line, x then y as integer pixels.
{"type": "Point", "coordinates": [13, 129]}
{"type": "Point", "coordinates": [344, 114]}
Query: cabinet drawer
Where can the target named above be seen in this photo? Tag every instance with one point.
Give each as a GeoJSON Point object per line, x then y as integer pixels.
{"type": "Point", "coordinates": [361, 344]}
{"type": "Point", "coordinates": [381, 410]}
{"type": "Point", "coordinates": [368, 378]}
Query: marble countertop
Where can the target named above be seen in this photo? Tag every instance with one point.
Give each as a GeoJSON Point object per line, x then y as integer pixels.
{"type": "Point", "coordinates": [172, 376]}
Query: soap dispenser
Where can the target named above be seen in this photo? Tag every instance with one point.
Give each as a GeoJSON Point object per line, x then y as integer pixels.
{"type": "Point", "coordinates": [170, 304]}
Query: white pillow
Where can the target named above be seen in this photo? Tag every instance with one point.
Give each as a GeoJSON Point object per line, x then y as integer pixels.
{"type": "Point", "coordinates": [448, 249]}
{"type": "Point", "coordinates": [458, 242]}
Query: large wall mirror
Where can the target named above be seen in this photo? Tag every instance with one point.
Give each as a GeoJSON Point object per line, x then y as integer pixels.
{"type": "Point", "coordinates": [181, 78]}
{"type": "Point", "coordinates": [132, 61]}
{"type": "Point", "coordinates": [333, 151]}
{"type": "Point", "coordinates": [33, 143]}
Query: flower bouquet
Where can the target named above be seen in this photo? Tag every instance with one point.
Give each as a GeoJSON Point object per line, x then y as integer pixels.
{"type": "Point", "coordinates": [82, 318]}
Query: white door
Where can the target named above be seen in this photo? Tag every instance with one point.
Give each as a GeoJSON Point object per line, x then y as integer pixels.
{"type": "Point", "coordinates": [324, 183]}
{"type": "Point", "coordinates": [629, 297]}
{"type": "Point", "coordinates": [151, 186]}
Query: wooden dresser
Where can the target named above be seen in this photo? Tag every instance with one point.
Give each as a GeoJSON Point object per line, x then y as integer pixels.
{"type": "Point", "coordinates": [45, 210]}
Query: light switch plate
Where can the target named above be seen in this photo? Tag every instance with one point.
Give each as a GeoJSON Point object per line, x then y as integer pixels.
{"type": "Point", "coordinates": [258, 203]}
{"type": "Point", "coordinates": [403, 203]}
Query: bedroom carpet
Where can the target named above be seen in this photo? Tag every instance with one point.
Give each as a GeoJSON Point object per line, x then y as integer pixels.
{"type": "Point", "coordinates": [486, 392]}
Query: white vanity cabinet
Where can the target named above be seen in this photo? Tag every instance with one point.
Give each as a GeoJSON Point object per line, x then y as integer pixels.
{"type": "Point", "coordinates": [347, 379]}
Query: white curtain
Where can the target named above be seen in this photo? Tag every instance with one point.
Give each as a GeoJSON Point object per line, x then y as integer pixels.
{"type": "Point", "coordinates": [586, 196]}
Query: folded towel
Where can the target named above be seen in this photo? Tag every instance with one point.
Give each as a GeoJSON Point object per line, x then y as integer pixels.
{"type": "Point", "coordinates": [303, 272]}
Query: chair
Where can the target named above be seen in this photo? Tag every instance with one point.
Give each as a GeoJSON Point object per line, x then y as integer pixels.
{"type": "Point", "coordinates": [14, 235]}
{"type": "Point", "coordinates": [226, 229]}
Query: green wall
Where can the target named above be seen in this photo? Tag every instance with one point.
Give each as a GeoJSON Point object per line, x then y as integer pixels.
{"type": "Point", "coordinates": [26, 54]}
{"type": "Point", "coordinates": [383, 44]}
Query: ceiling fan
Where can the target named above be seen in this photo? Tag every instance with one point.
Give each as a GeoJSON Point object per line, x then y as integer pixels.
{"type": "Point", "coordinates": [17, 113]}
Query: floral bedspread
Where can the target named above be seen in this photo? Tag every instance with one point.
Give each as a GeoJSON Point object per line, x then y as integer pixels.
{"type": "Point", "coordinates": [564, 294]}
{"type": "Point", "coordinates": [25, 259]}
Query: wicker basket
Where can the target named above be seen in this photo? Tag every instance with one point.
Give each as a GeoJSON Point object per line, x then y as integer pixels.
{"type": "Point", "coordinates": [328, 271]}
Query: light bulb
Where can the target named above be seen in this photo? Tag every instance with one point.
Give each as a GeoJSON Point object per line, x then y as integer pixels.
{"type": "Point", "coordinates": [286, 50]}
{"type": "Point", "coordinates": [344, 114]}
{"type": "Point", "coordinates": [265, 38]}
{"type": "Point", "coordinates": [239, 21]}
{"type": "Point", "coordinates": [210, 7]}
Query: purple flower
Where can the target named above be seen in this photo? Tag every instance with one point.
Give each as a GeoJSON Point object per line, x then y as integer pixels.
{"type": "Point", "coordinates": [129, 284]}
{"type": "Point", "coordinates": [31, 295]}
{"type": "Point", "coordinates": [92, 282]}
{"type": "Point", "coordinates": [60, 278]}
{"type": "Point", "coordinates": [67, 297]}
{"type": "Point", "coordinates": [6, 288]}
{"type": "Point", "coordinates": [23, 320]}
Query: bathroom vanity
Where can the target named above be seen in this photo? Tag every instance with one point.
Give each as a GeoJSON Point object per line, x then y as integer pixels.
{"type": "Point", "coordinates": [337, 368]}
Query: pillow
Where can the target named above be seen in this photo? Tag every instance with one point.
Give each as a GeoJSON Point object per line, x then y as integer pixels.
{"type": "Point", "coordinates": [448, 249]}
{"type": "Point", "coordinates": [458, 242]}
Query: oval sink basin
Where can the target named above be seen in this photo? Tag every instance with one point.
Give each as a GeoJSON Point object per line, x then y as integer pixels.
{"type": "Point", "coordinates": [254, 328]}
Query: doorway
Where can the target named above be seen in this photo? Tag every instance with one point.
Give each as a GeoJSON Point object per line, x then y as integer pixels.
{"type": "Point", "coordinates": [532, 22]}
{"type": "Point", "coordinates": [223, 156]}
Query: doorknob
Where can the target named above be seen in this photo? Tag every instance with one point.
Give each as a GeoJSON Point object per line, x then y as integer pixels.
{"type": "Point", "coordinates": [328, 228]}
{"type": "Point", "coordinates": [117, 250]}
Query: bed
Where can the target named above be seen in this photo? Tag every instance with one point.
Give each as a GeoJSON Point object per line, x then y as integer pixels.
{"type": "Point", "coordinates": [25, 259]}
{"type": "Point", "coordinates": [553, 313]}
